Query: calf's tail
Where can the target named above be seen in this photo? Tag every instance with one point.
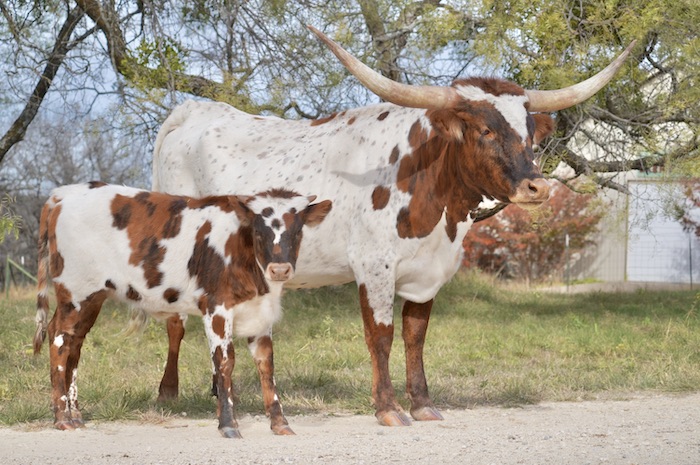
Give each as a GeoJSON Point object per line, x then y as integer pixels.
{"type": "Point", "coordinates": [43, 279]}
{"type": "Point", "coordinates": [137, 322]}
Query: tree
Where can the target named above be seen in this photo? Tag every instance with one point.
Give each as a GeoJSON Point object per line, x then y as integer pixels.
{"type": "Point", "coordinates": [531, 246]}
{"type": "Point", "coordinates": [648, 117]}
{"type": "Point", "coordinates": [259, 56]}
{"type": "Point", "coordinates": [126, 63]}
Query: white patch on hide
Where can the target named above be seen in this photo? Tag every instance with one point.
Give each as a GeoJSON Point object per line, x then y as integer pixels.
{"type": "Point", "coordinates": [512, 107]}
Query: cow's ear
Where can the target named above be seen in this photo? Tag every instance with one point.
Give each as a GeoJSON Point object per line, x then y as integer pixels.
{"type": "Point", "coordinates": [245, 214]}
{"type": "Point", "coordinates": [448, 124]}
{"type": "Point", "coordinates": [544, 126]}
{"type": "Point", "coordinates": [315, 213]}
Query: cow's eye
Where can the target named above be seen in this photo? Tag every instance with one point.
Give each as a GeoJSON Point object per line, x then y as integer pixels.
{"type": "Point", "coordinates": [485, 132]}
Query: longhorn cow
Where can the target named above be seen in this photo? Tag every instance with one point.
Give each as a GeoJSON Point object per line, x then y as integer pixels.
{"type": "Point", "coordinates": [406, 179]}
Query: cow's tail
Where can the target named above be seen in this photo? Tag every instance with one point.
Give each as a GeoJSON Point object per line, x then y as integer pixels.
{"type": "Point", "coordinates": [43, 278]}
{"type": "Point", "coordinates": [172, 122]}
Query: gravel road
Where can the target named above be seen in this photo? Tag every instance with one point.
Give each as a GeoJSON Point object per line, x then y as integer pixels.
{"type": "Point", "coordinates": [646, 429]}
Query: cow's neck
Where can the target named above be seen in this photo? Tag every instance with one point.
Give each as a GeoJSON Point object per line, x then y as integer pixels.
{"type": "Point", "coordinates": [431, 175]}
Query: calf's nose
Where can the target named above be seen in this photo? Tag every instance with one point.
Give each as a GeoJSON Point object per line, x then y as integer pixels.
{"type": "Point", "coordinates": [280, 271]}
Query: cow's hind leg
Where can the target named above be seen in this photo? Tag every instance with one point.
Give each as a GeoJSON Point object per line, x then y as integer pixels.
{"type": "Point", "coordinates": [169, 385]}
{"type": "Point", "coordinates": [67, 331]}
{"type": "Point", "coordinates": [261, 349]}
{"type": "Point", "coordinates": [379, 337]}
{"type": "Point", "coordinates": [219, 325]}
{"type": "Point", "coordinates": [415, 326]}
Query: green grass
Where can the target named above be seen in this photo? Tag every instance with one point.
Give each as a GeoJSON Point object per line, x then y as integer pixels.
{"type": "Point", "coordinates": [487, 344]}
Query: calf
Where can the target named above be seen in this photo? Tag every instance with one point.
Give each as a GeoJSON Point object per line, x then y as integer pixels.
{"type": "Point", "coordinates": [222, 257]}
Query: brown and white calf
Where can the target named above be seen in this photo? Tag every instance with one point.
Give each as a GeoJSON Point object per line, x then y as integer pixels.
{"type": "Point", "coordinates": [222, 257]}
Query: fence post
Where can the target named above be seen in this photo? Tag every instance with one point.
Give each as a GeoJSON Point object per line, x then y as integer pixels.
{"type": "Point", "coordinates": [568, 261]}
{"type": "Point", "coordinates": [690, 258]}
{"type": "Point", "coordinates": [7, 278]}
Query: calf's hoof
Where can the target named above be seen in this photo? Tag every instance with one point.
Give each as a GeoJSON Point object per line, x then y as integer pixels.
{"type": "Point", "coordinates": [229, 432]}
{"type": "Point", "coordinates": [78, 423]}
{"type": "Point", "coordinates": [426, 414]}
{"type": "Point", "coordinates": [393, 418]}
{"type": "Point", "coordinates": [64, 425]}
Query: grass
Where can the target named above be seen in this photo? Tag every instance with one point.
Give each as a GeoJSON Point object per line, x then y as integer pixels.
{"type": "Point", "coordinates": [487, 345]}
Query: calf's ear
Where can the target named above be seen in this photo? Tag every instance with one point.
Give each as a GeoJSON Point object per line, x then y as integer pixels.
{"type": "Point", "coordinates": [245, 214]}
{"type": "Point", "coordinates": [315, 213]}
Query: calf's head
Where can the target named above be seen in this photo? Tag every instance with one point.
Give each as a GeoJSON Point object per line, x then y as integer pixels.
{"type": "Point", "coordinates": [276, 218]}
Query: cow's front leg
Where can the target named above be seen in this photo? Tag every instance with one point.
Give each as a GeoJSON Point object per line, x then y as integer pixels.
{"type": "Point", "coordinates": [379, 335]}
{"type": "Point", "coordinates": [218, 327]}
{"type": "Point", "coordinates": [261, 349]}
{"type": "Point", "coordinates": [415, 325]}
{"type": "Point", "coordinates": [169, 385]}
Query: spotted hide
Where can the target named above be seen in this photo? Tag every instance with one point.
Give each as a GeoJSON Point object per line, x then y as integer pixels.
{"type": "Point", "coordinates": [223, 258]}
{"type": "Point", "coordinates": [406, 178]}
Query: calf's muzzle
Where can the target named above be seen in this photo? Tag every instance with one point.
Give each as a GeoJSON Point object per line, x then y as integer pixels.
{"type": "Point", "coordinates": [280, 271]}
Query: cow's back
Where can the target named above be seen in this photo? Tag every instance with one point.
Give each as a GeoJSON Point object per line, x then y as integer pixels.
{"type": "Point", "coordinates": [352, 158]}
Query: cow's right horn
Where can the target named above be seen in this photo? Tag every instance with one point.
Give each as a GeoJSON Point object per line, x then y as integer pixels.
{"type": "Point", "coordinates": [428, 97]}
{"type": "Point", "coordinates": [559, 99]}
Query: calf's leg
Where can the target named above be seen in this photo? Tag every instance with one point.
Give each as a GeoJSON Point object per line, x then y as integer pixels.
{"type": "Point", "coordinates": [169, 385]}
{"type": "Point", "coordinates": [261, 349]}
{"type": "Point", "coordinates": [218, 327]}
{"type": "Point", "coordinates": [415, 326]}
{"type": "Point", "coordinates": [67, 331]}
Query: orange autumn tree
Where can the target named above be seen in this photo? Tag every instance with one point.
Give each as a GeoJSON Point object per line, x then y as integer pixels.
{"type": "Point", "coordinates": [531, 246]}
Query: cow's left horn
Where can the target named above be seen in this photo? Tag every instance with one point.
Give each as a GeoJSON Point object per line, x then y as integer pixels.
{"type": "Point", "coordinates": [428, 97]}
{"type": "Point", "coordinates": [554, 100]}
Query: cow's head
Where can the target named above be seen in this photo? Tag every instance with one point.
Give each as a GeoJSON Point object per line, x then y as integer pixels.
{"type": "Point", "coordinates": [276, 218]}
{"type": "Point", "coordinates": [491, 116]}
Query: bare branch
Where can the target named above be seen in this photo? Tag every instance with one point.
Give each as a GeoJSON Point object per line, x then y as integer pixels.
{"type": "Point", "coordinates": [62, 46]}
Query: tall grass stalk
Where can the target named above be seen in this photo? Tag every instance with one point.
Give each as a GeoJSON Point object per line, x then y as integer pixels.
{"type": "Point", "coordinates": [487, 345]}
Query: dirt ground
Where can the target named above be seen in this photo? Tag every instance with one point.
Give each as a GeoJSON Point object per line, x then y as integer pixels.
{"type": "Point", "coordinates": [645, 429]}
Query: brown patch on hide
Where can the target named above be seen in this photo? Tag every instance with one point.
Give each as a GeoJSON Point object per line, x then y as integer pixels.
{"type": "Point", "coordinates": [380, 197]}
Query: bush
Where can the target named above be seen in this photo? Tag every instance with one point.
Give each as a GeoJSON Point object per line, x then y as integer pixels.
{"type": "Point", "coordinates": [532, 245]}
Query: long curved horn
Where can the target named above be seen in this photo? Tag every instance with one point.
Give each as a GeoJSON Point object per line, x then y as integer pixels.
{"type": "Point", "coordinates": [428, 97]}
{"type": "Point", "coordinates": [554, 100]}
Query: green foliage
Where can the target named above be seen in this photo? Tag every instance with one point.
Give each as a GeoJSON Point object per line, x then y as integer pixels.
{"type": "Point", "coordinates": [487, 344]}
{"type": "Point", "coordinates": [10, 223]}
{"type": "Point", "coordinates": [152, 64]}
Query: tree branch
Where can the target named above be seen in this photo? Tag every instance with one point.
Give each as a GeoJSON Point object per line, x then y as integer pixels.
{"type": "Point", "coordinates": [109, 23]}
{"type": "Point", "coordinates": [18, 129]}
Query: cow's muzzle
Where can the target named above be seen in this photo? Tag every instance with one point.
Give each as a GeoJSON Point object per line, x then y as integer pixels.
{"type": "Point", "coordinates": [531, 193]}
{"type": "Point", "coordinates": [279, 271]}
